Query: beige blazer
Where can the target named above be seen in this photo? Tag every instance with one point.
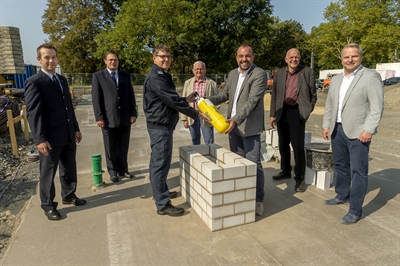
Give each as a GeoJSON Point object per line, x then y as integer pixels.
{"type": "Point", "coordinates": [211, 89]}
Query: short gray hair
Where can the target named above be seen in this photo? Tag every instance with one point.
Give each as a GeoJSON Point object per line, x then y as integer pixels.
{"type": "Point", "coordinates": [352, 45]}
{"type": "Point", "coordinates": [199, 62]}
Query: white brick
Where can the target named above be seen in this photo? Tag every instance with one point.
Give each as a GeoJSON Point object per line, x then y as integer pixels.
{"type": "Point", "coordinates": [250, 217]}
{"type": "Point", "coordinates": [251, 168]}
{"type": "Point", "coordinates": [193, 172]}
{"type": "Point", "coordinates": [202, 180]}
{"type": "Point", "coordinates": [183, 150]}
{"type": "Point", "coordinates": [211, 171]}
{"type": "Point", "coordinates": [221, 186]}
{"type": "Point", "coordinates": [247, 182]}
{"type": "Point", "coordinates": [221, 211]}
{"type": "Point", "coordinates": [197, 187]}
{"type": "Point", "coordinates": [231, 157]}
{"type": "Point", "coordinates": [324, 179]}
{"type": "Point", "coordinates": [232, 170]}
{"type": "Point", "coordinates": [190, 155]}
{"type": "Point", "coordinates": [185, 165]}
{"type": "Point", "coordinates": [202, 203]}
{"type": "Point", "coordinates": [184, 183]}
{"type": "Point", "coordinates": [199, 161]}
{"type": "Point", "coordinates": [213, 147]}
{"type": "Point", "coordinates": [183, 192]}
{"type": "Point", "coordinates": [307, 137]}
{"type": "Point", "coordinates": [245, 206]}
{"type": "Point", "coordinates": [310, 176]}
{"type": "Point", "coordinates": [219, 163]}
{"type": "Point", "coordinates": [197, 209]}
{"type": "Point", "coordinates": [214, 225]}
{"type": "Point", "coordinates": [192, 192]}
{"type": "Point", "coordinates": [235, 196]}
{"type": "Point", "coordinates": [203, 149]}
{"type": "Point", "coordinates": [220, 154]}
{"type": "Point", "coordinates": [251, 194]}
{"type": "Point", "coordinates": [212, 159]}
{"type": "Point", "coordinates": [212, 200]}
{"type": "Point", "coordinates": [233, 221]}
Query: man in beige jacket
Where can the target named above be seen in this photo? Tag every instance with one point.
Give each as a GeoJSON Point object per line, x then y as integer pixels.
{"type": "Point", "coordinates": [205, 87]}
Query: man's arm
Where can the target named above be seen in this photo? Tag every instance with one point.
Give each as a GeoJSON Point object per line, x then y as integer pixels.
{"type": "Point", "coordinates": [376, 103]}
{"type": "Point", "coordinates": [97, 100]}
{"type": "Point", "coordinates": [185, 93]}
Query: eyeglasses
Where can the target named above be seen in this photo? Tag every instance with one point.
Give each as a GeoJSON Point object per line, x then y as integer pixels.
{"type": "Point", "coordinates": [163, 57]}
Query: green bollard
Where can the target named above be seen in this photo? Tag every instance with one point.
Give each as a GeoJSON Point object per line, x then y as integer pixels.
{"type": "Point", "coordinates": [97, 171]}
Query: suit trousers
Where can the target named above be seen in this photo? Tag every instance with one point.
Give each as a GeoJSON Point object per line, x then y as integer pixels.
{"type": "Point", "coordinates": [249, 148]}
{"type": "Point", "coordinates": [63, 156]}
{"type": "Point", "coordinates": [160, 162]}
{"type": "Point", "coordinates": [351, 166]}
{"type": "Point", "coordinates": [208, 132]}
{"type": "Point", "coordinates": [116, 146]}
{"type": "Point", "coordinates": [291, 130]}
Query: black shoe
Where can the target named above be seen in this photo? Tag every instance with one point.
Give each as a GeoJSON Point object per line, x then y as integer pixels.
{"type": "Point", "coordinates": [300, 186]}
{"type": "Point", "coordinates": [335, 201]}
{"type": "Point", "coordinates": [349, 219]}
{"type": "Point", "coordinates": [53, 215]}
{"type": "Point", "coordinates": [172, 195]}
{"type": "Point", "coordinates": [114, 179]}
{"type": "Point", "coordinates": [126, 175]}
{"type": "Point", "coordinates": [282, 175]}
{"type": "Point", "coordinates": [171, 210]}
{"type": "Point", "coordinates": [75, 201]}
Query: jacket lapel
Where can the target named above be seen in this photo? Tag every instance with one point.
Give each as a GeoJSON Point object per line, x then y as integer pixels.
{"type": "Point", "coordinates": [50, 83]}
{"type": "Point", "coordinates": [352, 85]}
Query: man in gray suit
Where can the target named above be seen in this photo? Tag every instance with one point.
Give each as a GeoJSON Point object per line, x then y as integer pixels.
{"type": "Point", "coordinates": [245, 88]}
{"type": "Point", "coordinates": [353, 110]}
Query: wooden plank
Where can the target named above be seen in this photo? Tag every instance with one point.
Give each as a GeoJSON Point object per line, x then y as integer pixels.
{"type": "Point", "coordinates": [12, 133]}
{"type": "Point", "coordinates": [26, 130]}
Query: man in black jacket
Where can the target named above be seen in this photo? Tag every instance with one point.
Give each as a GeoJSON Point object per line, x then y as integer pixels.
{"type": "Point", "coordinates": [115, 111]}
{"type": "Point", "coordinates": [161, 105]}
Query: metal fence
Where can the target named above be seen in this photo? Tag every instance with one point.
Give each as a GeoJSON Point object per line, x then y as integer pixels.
{"type": "Point", "coordinates": [85, 79]}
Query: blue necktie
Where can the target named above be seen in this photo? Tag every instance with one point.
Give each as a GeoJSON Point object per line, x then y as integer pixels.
{"type": "Point", "coordinates": [113, 77]}
{"type": "Point", "coordinates": [57, 83]}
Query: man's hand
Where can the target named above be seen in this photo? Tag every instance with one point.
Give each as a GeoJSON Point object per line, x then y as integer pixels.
{"type": "Point", "coordinates": [272, 121]}
{"type": "Point", "coordinates": [191, 98]}
{"type": "Point", "coordinates": [78, 136]}
{"type": "Point", "coordinates": [185, 124]}
{"type": "Point", "coordinates": [232, 124]}
{"type": "Point", "coordinates": [133, 120]}
{"type": "Point", "coordinates": [44, 148]}
{"type": "Point", "coordinates": [365, 137]}
{"type": "Point", "coordinates": [206, 118]}
{"type": "Point", "coordinates": [326, 134]}
{"type": "Point", "coordinates": [100, 123]}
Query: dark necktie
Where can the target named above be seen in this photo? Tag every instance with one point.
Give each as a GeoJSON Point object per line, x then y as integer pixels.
{"type": "Point", "coordinates": [57, 83]}
{"type": "Point", "coordinates": [113, 77]}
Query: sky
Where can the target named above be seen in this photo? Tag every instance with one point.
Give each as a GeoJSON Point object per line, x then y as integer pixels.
{"type": "Point", "coordinates": [27, 16]}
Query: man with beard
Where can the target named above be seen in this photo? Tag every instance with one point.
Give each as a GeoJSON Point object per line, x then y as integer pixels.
{"type": "Point", "coordinates": [245, 88]}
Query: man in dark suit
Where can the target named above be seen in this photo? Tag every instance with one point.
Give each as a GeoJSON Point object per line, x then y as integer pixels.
{"type": "Point", "coordinates": [292, 101]}
{"type": "Point", "coordinates": [55, 130]}
{"type": "Point", "coordinates": [245, 88]}
{"type": "Point", "coordinates": [115, 111]}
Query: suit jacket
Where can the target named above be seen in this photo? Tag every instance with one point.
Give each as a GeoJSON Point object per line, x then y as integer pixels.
{"type": "Point", "coordinates": [50, 112]}
{"type": "Point", "coordinates": [211, 89]}
{"type": "Point", "coordinates": [306, 93]}
{"type": "Point", "coordinates": [250, 104]}
{"type": "Point", "coordinates": [111, 103]}
{"type": "Point", "coordinates": [362, 107]}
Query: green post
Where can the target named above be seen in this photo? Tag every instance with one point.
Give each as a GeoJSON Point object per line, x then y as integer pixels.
{"type": "Point", "coordinates": [97, 171]}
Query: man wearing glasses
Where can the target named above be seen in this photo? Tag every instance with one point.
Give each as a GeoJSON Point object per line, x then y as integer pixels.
{"type": "Point", "coordinates": [161, 105]}
{"type": "Point", "coordinates": [205, 87]}
{"type": "Point", "coordinates": [115, 111]}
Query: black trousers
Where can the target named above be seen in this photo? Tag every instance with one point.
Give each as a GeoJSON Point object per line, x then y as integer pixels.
{"type": "Point", "coordinates": [116, 146]}
{"type": "Point", "coordinates": [291, 130]}
{"type": "Point", "coordinates": [63, 156]}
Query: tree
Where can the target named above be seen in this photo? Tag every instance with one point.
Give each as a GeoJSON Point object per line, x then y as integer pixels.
{"type": "Point", "coordinates": [72, 26]}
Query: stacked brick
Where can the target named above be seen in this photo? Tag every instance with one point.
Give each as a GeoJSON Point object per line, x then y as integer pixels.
{"type": "Point", "coordinates": [218, 184]}
{"type": "Point", "coordinates": [11, 56]}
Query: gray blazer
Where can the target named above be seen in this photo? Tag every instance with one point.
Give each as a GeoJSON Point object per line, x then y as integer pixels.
{"type": "Point", "coordinates": [250, 104]}
{"type": "Point", "coordinates": [362, 105]}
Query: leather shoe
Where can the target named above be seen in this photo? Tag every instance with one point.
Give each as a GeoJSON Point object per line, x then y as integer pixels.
{"type": "Point", "coordinates": [282, 175]}
{"type": "Point", "coordinates": [74, 201]}
{"type": "Point", "coordinates": [126, 175]}
{"type": "Point", "coordinates": [171, 210]}
{"type": "Point", "coordinates": [114, 179]}
{"type": "Point", "coordinates": [53, 215]}
{"type": "Point", "coordinates": [172, 195]}
{"type": "Point", "coordinates": [300, 186]}
{"type": "Point", "coordinates": [335, 201]}
{"type": "Point", "coordinates": [350, 219]}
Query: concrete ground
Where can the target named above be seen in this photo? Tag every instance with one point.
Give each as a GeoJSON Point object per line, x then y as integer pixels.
{"type": "Point", "coordinates": [119, 225]}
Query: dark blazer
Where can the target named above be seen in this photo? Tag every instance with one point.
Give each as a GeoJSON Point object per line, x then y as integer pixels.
{"type": "Point", "coordinates": [50, 112]}
{"type": "Point", "coordinates": [306, 92]}
{"type": "Point", "coordinates": [115, 105]}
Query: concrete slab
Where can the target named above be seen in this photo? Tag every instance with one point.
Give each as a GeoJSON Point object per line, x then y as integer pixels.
{"type": "Point", "coordinates": [119, 225]}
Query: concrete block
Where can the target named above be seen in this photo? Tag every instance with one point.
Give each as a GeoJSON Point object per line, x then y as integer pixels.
{"type": "Point", "coordinates": [213, 147]}
{"type": "Point", "coordinates": [246, 182]}
{"type": "Point", "coordinates": [203, 149]}
{"type": "Point", "coordinates": [221, 186]}
{"type": "Point", "coordinates": [197, 209]}
{"type": "Point", "coordinates": [193, 172]}
{"type": "Point", "coordinates": [220, 154]}
{"type": "Point", "coordinates": [250, 217]}
{"type": "Point", "coordinates": [202, 204]}
{"type": "Point", "coordinates": [190, 155]}
{"type": "Point", "coordinates": [183, 150]}
{"type": "Point", "coordinates": [235, 196]}
{"type": "Point", "coordinates": [324, 179]}
{"type": "Point", "coordinates": [233, 221]}
{"type": "Point", "coordinates": [230, 157]}
{"type": "Point", "coordinates": [212, 200]}
{"type": "Point", "coordinates": [310, 177]}
{"type": "Point", "coordinates": [212, 172]}
{"type": "Point", "coordinates": [251, 168]}
{"type": "Point", "coordinates": [232, 170]}
{"type": "Point", "coordinates": [245, 206]}
{"type": "Point", "coordinates": [213, 225]}
{"type": "Point", "coordinates": [307, 137]}
{"type": "Point", "coordinates": [251, 194]}
{"type": "Point", "coordinates": [202, 180]}
{"type": "Point", "coordinates": [198, 162]}
{"type": "Point", "coordinates": [220, 211]}
{"type": "Point", "coordinates": [197, 187]}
